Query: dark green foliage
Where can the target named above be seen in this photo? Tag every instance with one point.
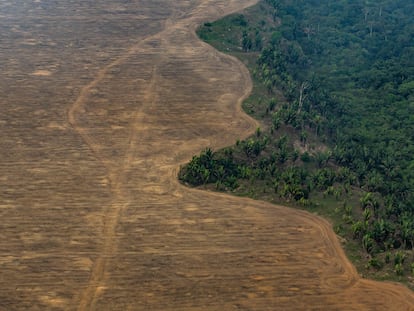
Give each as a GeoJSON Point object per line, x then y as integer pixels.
{"type": "Point", "coordinates": [255, 159]}
{"type": "Point", "coordinates": [209, 167]}
{"type": "Point", "coordinates": [375, 263]}
{"type": "Point", "coordinates": [338, 73]}
{"type": "Point", "coordinates": [347, 71]}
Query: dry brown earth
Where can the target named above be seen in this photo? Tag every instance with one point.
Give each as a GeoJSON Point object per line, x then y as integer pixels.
{"type": "Point", "coordinates": [101, 101]}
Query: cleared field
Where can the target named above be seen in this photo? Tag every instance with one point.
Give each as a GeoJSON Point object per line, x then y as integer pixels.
{"type": "Point", "coordinates": [100, 103]}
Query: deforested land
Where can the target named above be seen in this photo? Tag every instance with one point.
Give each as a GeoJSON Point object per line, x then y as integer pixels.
{"type": "Point", "coordinates": [101, 102]}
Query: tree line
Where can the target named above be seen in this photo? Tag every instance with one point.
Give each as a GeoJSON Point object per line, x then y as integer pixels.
{"type": "Point", "coordinates": [338, 74]}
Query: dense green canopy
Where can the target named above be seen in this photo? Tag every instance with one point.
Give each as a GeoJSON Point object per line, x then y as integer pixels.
{"type": "Point", "coordinates": [338, 75]}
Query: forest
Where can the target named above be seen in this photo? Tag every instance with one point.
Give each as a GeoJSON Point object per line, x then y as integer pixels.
{"type": "Point", "coordinates": [334, 90]}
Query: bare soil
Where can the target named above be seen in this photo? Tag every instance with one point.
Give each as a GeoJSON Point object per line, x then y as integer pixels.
{"type": "Point", "coordinates": [101, 101]}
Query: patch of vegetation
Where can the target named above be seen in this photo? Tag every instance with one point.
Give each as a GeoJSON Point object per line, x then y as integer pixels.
{"type": "Point", "coordinates": [334, 90]}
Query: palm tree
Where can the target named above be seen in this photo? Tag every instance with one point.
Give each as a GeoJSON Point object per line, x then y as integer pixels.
{"type": "Point", "coordinates": [367, 243]}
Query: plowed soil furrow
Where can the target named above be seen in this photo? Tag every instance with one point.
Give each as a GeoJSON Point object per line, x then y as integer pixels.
{"type": "Point", "coordinates": [101, 102]}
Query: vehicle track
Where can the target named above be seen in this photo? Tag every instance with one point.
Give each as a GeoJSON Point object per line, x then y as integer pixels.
{"type": "Point", "coordinates": [115, 173]}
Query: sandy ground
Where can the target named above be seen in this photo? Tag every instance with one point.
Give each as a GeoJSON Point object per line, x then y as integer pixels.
{"type": "Point", "coordinates": [100, 104]}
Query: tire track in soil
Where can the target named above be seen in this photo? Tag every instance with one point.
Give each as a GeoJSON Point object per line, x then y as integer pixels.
{"type": "Point", "coordinates": [339, 288]}
{"type": "Point", "coordinates": [112, 213]}
{"type": "Point", "coordinates": [115, 174]}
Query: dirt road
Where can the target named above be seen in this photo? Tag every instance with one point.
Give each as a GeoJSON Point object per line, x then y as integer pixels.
{"type": "Point", "coordinates": [100, 104]}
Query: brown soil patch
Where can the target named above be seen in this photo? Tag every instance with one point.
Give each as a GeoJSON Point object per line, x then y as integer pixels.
{"type": "Point", "coordinates": [93, 217]}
